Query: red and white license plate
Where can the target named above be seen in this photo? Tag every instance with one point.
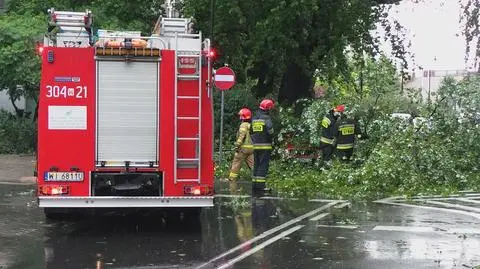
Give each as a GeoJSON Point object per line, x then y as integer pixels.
{"type": "Point", "coordinates": [63, 176]}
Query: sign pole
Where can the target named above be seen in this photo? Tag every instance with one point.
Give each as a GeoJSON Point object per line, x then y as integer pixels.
{"type": "Point", "coordinates": [224, 80]}
{"type": "Point", "coordinates": [220, 150]}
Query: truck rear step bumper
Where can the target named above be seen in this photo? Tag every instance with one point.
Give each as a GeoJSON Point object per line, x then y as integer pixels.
{"type": "Point", "coordinates": [133, 201]}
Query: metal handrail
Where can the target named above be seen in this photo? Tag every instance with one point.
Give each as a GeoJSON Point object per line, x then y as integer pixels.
{"type": "Point", "coordinates": [175, 124]}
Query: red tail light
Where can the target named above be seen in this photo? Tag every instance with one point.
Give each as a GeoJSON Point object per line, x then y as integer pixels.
{"type": "Point", "coordinates": [200, 190]}
{"type": "Point", "coordinates": [53, 190]}
{"type": "Point", "coordinates": [39, 49]}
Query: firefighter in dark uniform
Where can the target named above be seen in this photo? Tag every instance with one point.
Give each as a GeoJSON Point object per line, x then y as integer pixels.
{"type": "Point", "coordinates": [261, 134]}
{"type": "Point", "coordinates": [346, 129]}
{"type": "Point", "coordinates": [327, 139]}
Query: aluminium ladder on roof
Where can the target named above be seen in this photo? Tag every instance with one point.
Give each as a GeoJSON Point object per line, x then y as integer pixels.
{"type": "Point", "coordinates": [197, 76]}
{"type": "Point", "coordinates": [69, 20]}
{"type": "Point", "coordinates": [70, 27]}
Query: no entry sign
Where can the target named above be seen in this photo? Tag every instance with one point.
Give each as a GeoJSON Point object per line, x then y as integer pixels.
{"type": "Point", "coordinates": [224, 78]}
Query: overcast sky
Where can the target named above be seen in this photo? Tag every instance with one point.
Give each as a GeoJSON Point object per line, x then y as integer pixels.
{"type": "Point", "coordinates": [432, 27]}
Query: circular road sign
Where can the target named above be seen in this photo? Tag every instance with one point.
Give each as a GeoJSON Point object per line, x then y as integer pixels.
{"type": "Point", "coordinates": [224, 78]}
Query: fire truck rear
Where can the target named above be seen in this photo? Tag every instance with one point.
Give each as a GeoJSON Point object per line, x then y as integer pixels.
{"type": "Point", "coordinates": [124, 120]}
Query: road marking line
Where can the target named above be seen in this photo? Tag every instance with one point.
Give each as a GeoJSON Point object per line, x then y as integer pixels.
{"type": "Point", "coordinates": [338, 226]}
{"type": "Point", "coordinates": [342, 205]}
{"type": "Point", "coordinates": [470, 214]}
{"type": "Point", "coordinates": [319, 217]}
{"type": "Point", "coordinates": [437, 199]}
{"type": "Point", "coordinates": [468, 200]}
{"type": "Point", "coordinates": [17, 183]}
{"type": "Point", "coordinates": [441, 196]}
{"type": "Point", "coordinates": [296, 199]}
{"type": "Point", "coordinates": [388, 199]}
{"type": "Point", "coordinates": [431, 197]}
{"type": "Point", "coordinates": [259, 247]}
{"type": "Point", "coordinates": [326, 200]}
{"type": "Point", "coordinates": [423, 229]}
{"type": "Point", "coordinates": [278, 198]}
{"type": "Point", "coordinates": [281, 198]}
{"type": "Point", "coordinates": [232, 196]}
{"type": "Point", "coordinates": [28, 179]}
{"type": "Point", "coordinates": [463, 231]}
{"type": "Point", "coordinates": [269, 232]}
{"type": "Point", "coordinates": [467, 208]}
{"type": "Point", "coordinates": [412, 229]}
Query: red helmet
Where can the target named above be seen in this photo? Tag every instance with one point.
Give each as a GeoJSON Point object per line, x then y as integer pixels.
{"type": "Point", "coordinates": [339, 108]}
{"type": "Point", "coordinates": [266, 104]}
{"type": "Point", "coordinates": [245, 114]}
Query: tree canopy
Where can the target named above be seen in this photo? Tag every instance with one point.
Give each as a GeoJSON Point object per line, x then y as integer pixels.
{"type": "Point", "coordinates": [20, 72]}
{"type": "Point", "coordinates": [281, 43]}
{"type": "Point", "coordinates": [274, 45]}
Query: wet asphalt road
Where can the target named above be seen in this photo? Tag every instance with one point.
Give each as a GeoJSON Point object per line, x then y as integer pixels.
{"type": "Point", "coordinates": [245, 232]}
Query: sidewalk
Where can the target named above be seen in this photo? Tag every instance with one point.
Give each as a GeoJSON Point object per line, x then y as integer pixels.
{"type": "Point", "coordinates": [17, 169]}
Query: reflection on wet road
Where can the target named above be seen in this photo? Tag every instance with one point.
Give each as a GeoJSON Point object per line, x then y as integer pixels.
{"type": "Point", "coordinates": [245, 232]}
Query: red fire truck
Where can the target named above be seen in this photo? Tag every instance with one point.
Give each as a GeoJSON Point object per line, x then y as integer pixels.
{"type": "Point", "coordinates": [124, 120]}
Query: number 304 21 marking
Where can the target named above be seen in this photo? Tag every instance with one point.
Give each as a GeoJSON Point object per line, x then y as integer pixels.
{"type": "Point", "coordinates": [78, 92]}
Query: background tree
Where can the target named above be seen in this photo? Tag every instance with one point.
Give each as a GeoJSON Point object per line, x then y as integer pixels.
{"type": "Point", "coordinates": [20, 72]}
{"type": "Point", "coordinates": [281, 43]}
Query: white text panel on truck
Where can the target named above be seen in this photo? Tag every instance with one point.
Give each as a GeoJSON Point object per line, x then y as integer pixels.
{"type": "Point", "coordinates": [124, 120]}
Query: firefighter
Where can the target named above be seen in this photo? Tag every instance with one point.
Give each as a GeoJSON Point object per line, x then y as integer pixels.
{"type": "Point", "coordinates": [261, 132]}
{"type": "Point", "coordinates": [346, 128]}
{"type": "Point", "coordinates": [327, 139]}
{"type": "Point", "coordinates": [243, 145]}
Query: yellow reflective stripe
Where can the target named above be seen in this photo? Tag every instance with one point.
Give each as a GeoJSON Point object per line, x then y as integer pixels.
{"type": "Point", "coordinates": [347, 129]}
{"type": "Point", "coordinates": [326, 140]}
{"type": "Point", "coordinates": [248, 139]}
{"type": "Point", "coordinates": [326, 122]}
{"type": "Point", "coordinates": [344, 146]}
{"type": "Point", "coordinates": [259, 180]}
{"type": "Point", "coordinates": [233, 175]}
{"type": "Point", "coordinates": [257, 125]}
{"type": "Point", "coordinates": [262, 147]}
{"type": "Point", "coordinates": [247, 146]}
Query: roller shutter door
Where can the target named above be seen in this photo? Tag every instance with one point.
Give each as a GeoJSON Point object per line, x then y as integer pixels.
{"type": "Point", "coordinates": [127, 111]}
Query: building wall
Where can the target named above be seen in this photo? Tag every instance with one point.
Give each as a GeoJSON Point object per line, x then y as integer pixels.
{"type": "Point", "coordinates": [5, 103]}
{"type": "Point", "coordinates": [429, 81]}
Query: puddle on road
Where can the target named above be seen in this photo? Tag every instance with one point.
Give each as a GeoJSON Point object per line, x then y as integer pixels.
{"type": "Point", "coordinates": [143, 239]}
{"type": "Point", "coordinates": [342, 238]}
{"type": "Point", "coordinates": [363, 247]}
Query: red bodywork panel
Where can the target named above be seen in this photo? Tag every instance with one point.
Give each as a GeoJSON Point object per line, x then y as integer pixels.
{"type": "Point", "coordinates": [66, 149]}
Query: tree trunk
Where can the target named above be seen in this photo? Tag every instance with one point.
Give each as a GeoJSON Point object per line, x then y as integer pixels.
{"type": "Point", "coordinates": [35, 115]}
{"type": "Point", "coordinates": [296, 84]}
{"type": "Point", "coordinates": [18, 112]}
